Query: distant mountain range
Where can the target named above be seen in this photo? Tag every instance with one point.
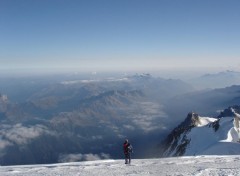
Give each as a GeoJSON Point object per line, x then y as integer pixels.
{"type": "Point", "coordinates": [55, 120]}
{"type": "Point", "coordinates": [198, 135]}
{"type": "Point", "coordinates": [207, 102]}
{"type": "Point", "coordinates": [217, 80]}
{"type": "Point", "coordinates": [92, 116]}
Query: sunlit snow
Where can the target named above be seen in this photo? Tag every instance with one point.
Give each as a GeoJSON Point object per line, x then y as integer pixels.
{"type": "Point", "coordinates": [179, 166]}
{"type": "Point", "coordinates": [205, 120]}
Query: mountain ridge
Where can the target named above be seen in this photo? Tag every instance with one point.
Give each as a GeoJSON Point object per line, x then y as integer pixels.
{"type": "Point", "coordinates": [198, 135]}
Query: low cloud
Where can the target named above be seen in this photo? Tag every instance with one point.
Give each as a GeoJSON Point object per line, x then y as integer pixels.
{"type": "Point", "coordinates": [129, 127]}
{"type": "Point", "coordinates": [97, 137]}
{"type": "Point", "coordinates": [149, 117]}
{"type": "Point", "coordinates": [63, 158]}
{"type": "Point", "coordinates": [19, 134]}
{"type": "Point", "coordinates": [4, 144]}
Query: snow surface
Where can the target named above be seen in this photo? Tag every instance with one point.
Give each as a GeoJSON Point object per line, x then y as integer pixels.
{"type": "Point", "coordinates": [204, 140]}
{"type": "Point", "coordinates": [205, 121]}
{"type": "Point", "coordinates": [178, 166]}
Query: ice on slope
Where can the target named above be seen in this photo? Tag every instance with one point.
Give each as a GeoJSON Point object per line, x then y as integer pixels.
{"type": "Point", "coordinates": [181, 166]}
{"type": "Point", "coordinates": [205, 120]}
{"type": "Point", "coordinates": [204, 140]}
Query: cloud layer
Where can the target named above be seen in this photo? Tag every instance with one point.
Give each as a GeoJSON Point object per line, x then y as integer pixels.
{"type": "Point", "coordinates": [82, 157]}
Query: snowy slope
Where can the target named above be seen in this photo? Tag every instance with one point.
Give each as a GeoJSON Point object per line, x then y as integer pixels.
{"type": "Point", "coordinates": [181, 166]}
{"type": "Point", "coordinates": [205, 136]}
{"type": "Point", "coordinates": [205, 140]}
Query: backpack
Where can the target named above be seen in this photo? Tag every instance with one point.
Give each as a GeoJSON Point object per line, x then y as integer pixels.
{"type": "Point", "coordinates": [130, 149]}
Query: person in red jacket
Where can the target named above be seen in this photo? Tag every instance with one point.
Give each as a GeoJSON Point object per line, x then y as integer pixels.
{"type": "Point", "coordinates": [127, 149]}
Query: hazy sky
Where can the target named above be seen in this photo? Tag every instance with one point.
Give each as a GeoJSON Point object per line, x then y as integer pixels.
{"type": "Point", "coordinates": [119, 34]}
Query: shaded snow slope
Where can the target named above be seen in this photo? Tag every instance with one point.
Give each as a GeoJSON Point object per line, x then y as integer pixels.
{"type": "Point", "coordinates": [205, 136]}
{"type": "Point", "coordinates": [181, 166]}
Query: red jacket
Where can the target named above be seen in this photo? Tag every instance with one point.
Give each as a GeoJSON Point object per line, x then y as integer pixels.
{"type": "Point", "coordinates": [125, 147]}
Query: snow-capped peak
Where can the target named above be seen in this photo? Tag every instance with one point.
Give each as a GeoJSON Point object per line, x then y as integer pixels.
{"type": "Point", "coordinates": [205, 135]}
{"type": "Point", "coordinates": [205, 121]}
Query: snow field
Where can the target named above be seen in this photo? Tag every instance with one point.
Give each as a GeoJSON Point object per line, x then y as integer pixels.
{"type": "Point", "coordinates": [178, 166]}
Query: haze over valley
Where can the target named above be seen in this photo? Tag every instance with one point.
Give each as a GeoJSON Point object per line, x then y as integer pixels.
{"type": "Point", "coordinates": [65, 118]}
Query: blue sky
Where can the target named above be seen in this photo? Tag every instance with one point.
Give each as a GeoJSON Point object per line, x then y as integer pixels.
{"type": "Point", "coordinates": [111, 35]}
